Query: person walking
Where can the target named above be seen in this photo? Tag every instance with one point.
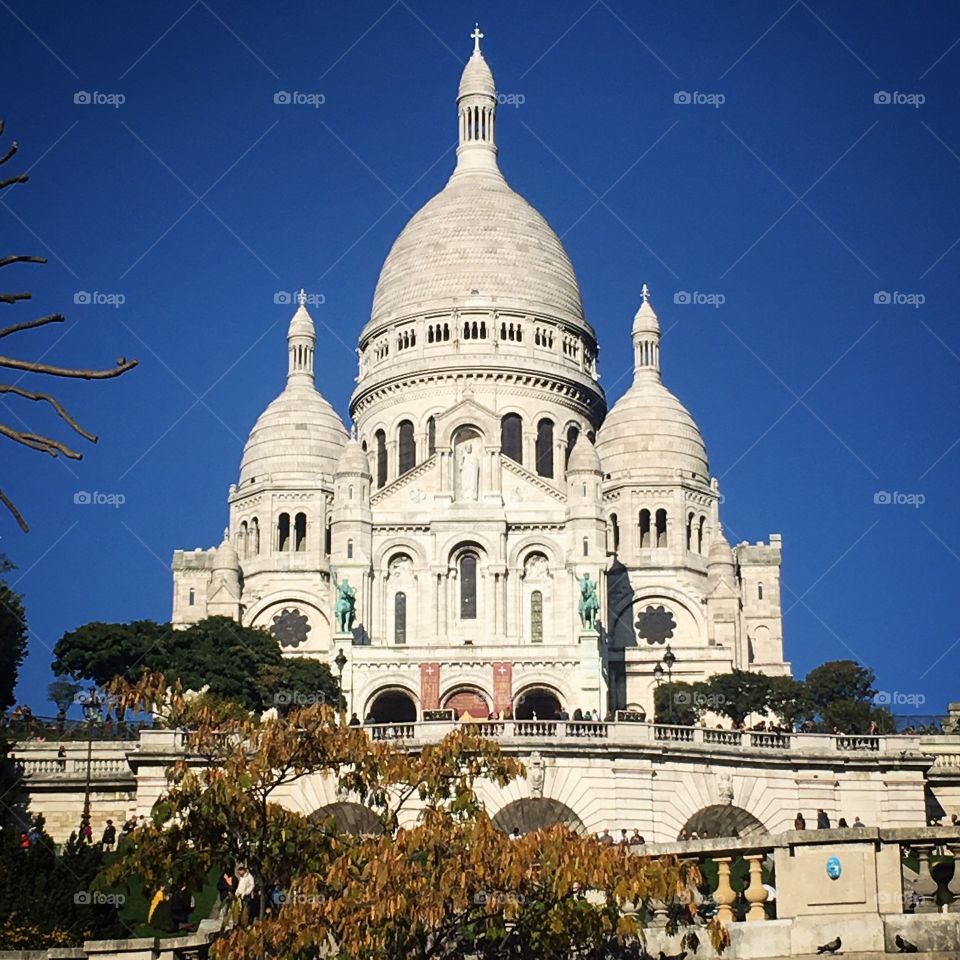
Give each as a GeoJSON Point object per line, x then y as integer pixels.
{"type": "Point", "coordinates": [823, 821]}
{"type": "Point", "coordinates": [244, 893]}
{"type": "Point", "coordinates": [800, 822]}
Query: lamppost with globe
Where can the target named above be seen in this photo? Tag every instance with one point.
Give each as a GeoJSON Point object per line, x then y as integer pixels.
{"type": "Point", "coordinates": [92, 704]}
{"type": "Point", "coordinates": [340, 661]}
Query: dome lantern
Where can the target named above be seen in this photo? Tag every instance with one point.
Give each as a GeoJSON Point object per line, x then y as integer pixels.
{"type": "Point", "coordinates": [476, 114]}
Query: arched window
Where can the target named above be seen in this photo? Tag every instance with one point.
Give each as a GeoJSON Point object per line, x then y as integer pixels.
{"type": "Point", "coordinates": [468, 587]}
{"type": "Point", "coordinates": [661, 528]}
{"type": "Point", "coordinates": [689, 531]}
{"type": "Point", "coordinates": [381, 440]}
{"type": "Point", "coordinates": [511, 437]}
{"type": "Point", "coordinates": [255, 535]}
{"type": "Point", "coordinates": [700, 531]}
{"type": "Point", "coordinates": [191, 598]}
{"type": "Point", "coordinates": [349, 549]}
{"type": "Point", "coordinates": [759, 591]}
{"type": "Point", "coordinates": [407, 448]}
{"type": "Point", "coordinates": [573, 433]}
{"type": "Point", "coordinates": [545, 448]}
{"type": "Point", "coordinates": [536, 617]}
{"type": "Point", "coordinates": [400, 617]}
{"type": "Point", "coordinates": [431, 436]}
{"type": "Point", "coordinates": [283, 532]}
{"type": "Point", "coordinates": [243, 539]}
{"type": "Point", "coordinates": [644, 528]}
{"type": "Point", "coordinates": [300, 532]}
{"type": "Point", "coordinates": [586, 547]}
{"type": "Point", "coordinates": [614, 533]}
{"type": "Point", "coordinates": [328, 538]}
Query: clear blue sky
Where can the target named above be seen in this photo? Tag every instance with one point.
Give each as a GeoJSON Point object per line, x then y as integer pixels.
{"type": "Point", "coordinates": [797, 200]}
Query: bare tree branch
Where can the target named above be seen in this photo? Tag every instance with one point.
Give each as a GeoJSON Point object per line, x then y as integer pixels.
{"type": "Point", "coordinates": [54, 402]}
{"type": "Point", "coordinates": [39, 442]}
{"type": "Point", "coordinates": [19, 178]}
{"type": "Point", "coordinates": [33, 367]}
{"type": "Point", "coordinates": [20, 258]}
{"type": "Point", "coordinates": [14, 147]}
{"type": "Point", "coordinates": [29, 324]}
{"type": "Point", "coordinates": [13, 297]}
{"type": "Point", "coordinates": [17, 515]}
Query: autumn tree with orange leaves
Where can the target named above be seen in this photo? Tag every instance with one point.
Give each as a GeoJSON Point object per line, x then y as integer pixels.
{"type": "Point", "coordinates": [440, 881]}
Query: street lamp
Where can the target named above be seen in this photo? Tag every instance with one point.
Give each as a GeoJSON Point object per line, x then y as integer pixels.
{"type": "Point", "coordinates": [91, 704]}
{"type": "Point", "coordinates": [341, 662]}
{"type": "Point", "coordinates": [669, 659]}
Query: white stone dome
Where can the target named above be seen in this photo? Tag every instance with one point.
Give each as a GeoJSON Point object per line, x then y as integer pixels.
{"type": "Point", "coordinates": [477, 242]}
{"type": "Point", "coordinates": [649, 432]}
{"type": "Point", "coordinates": [298, 436]}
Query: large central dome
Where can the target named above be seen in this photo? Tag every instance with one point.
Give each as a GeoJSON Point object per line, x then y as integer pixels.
{"type": "Point", "coordinates": [477, 239]}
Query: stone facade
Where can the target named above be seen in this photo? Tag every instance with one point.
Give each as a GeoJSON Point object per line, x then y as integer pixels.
{"type": "Point", "coordinates": [482, 479]}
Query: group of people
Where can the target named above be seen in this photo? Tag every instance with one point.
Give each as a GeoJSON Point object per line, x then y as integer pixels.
{"type": "Point", "coordinates": [823, 822]}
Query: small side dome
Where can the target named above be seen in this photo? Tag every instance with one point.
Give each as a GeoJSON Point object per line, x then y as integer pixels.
{"type": "Point", "coordinates": [353, 460]}
{"type": "Point", "coordinates": [225, 557]}
{"type": "Point", "coordinates": [649, 433]}
{"type": "Point", "coordinates": [583, 457]}
{"type": "Point", "coordinates": [720, 553]}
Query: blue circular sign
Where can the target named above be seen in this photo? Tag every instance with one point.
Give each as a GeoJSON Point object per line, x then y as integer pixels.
{"type": "Point", "coordinates": [834, 869]}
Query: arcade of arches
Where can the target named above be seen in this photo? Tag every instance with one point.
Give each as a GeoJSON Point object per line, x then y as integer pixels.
{"type": "Point", "coordinates": [537, 703]}
{"type": "Point", "coordinates": [722, 820]}
{"type": "Point", "coordinates": [536, 813]}
{"type": "Point", "coordinates": [392, 706]}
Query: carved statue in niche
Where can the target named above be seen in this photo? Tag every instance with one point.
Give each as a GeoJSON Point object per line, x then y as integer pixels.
{"type": "Point", "coordinates": [725, 788]}
{"type": "Point", "coordinates": [468, 469]}
{"type": "Point", "coordinates": [536, 567]}
{"type": "Point", "coordinates": [535, 774]}
{"type": "Point", "coordinates": [400, 567]}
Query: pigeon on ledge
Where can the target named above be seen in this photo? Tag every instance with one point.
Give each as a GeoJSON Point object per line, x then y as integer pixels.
{"type": "Point", "coordinates": [832, 947]}
{"type": "Point", "coordinates": [904, 946]}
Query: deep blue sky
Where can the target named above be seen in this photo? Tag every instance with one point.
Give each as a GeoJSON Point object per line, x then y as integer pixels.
{"type": "Point", "coordinates": [797, 200]}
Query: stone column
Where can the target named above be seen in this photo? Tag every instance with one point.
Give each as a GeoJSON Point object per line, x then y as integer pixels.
{"type": "Point", "coordinates": [954, 886]}
{"type": "Point", "coordinates": [925, 886]}
{"type": "Point", "coordinates": [724, 895]}
{"type": "Point", "coordinates": [755, 893]}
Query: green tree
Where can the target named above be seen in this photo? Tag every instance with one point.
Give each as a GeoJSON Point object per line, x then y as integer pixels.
{"type": "Point", "coordinates": [101, 651]}
{"type": "Point", "coordinates": [842, 693]}
{"type": "Point", "coordinates": [738, 694]}
{"type": "Point", "coordinates": [440, 881]}
{"type": "Point", "coordinates": [234, 662]}
{"type": "Point", "coordinates": [679, 702]}
{"type": "Point", "coordinates": [789, 700]}
{"type": "Point", "coordinates": [13, 637]}
{"type": "Point", "coordinates": [53, 902]}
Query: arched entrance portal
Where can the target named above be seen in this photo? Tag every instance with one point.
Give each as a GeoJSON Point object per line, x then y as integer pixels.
{"type": "Point", "coordinates": [723, 820]}
{"type": "Point", "coordinates": [392, 706]}
{"type": "Point", "coordinates": [541, 701]}
{"type": "Point", "coordinates": [352, 818]}
{"type": "Point", "coordinates": [468, 700]}
{"type": "Point", "coordinates": [536, 813]}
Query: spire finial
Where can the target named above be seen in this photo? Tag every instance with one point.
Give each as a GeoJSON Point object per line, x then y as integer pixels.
{"type": "Point", "coordinates": [302, 297]}
{"type": "Point", "coordinates": [645, 293]}
{"type": "Point", "coordinates": [476, 37]}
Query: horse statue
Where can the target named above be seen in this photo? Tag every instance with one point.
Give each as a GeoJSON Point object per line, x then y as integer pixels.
{"type": "Point", "coordinates": [589, 602]}
{"type": "Point", "coordinates": [345, 610]}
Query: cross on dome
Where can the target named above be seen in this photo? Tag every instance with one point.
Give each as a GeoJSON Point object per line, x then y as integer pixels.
{"type": "Point", "coordinates": [302, 297]}
{"type": "Point", "coordinates": [645, 293]}
{"type": "Point", "coordinates": [476, 37]}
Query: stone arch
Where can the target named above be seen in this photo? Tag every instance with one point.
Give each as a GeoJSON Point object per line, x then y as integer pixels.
{"type": "Point", "coordinates": [723, 820]}
{"type": "Point", "coordinates": [318, 638]}
{"type": "Point", "coordinates": [351, 818]}
{"type": "Point", "coordinates": [393, 703]}
{"type": "Point", "coordinates": [463, 697]}
{"type": "Point", "coordinates": [622, 617]}
{"type": "Point", "coordinates": [536, 813]}
{"type": "Point", "coordinates": [544, 699]}
{"type": "Point", "coordinates": [531, 544]}
{"type": "Point", "coordinates": [394, 545]}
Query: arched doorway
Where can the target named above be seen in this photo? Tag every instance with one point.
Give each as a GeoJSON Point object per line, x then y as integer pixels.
{"type": "Point", "coordinates": [468, 700]}
{"type": "Point", "coordinates": [352, 818]}
{"type": "Point", "coordinates": [391, 706]}
{"type": "Point", "coordinates": [536, 813]}
{"type": "Point", "coordinates": [541, 701]}
{"type": "Point", "coordinates": [723, 820]}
